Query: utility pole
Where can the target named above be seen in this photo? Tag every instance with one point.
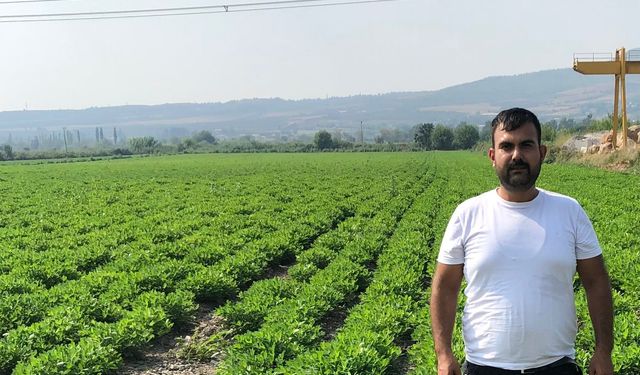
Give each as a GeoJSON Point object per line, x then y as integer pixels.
{"type": "Point", "coordinates": [361, 134]}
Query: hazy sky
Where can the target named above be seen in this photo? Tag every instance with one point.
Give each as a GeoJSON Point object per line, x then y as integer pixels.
{"type": "Point", "coordinates": [406, 45]}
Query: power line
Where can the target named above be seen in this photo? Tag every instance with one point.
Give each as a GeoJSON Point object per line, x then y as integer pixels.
{"type": "Point", "coordinates": [28, 1]}
{"type": "Point", "coordinates": [155, 10]}
{"type": "Point", "coordinates": [225, 10]}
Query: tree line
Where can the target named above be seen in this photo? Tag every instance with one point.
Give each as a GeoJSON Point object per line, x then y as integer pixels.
{"type": "Point", "coordinates": [426, 136]}
{"type": "Point", "coordinates": [423, 136]}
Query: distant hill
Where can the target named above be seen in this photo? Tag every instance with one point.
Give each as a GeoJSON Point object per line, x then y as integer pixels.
{"type": "Point", "coordinates": [551, 94]}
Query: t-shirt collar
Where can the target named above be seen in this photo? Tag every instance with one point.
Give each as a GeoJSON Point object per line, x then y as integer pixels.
{"type": "Point", "coordinates": [518, 205]}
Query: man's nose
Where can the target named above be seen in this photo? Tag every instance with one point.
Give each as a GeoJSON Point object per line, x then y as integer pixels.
{"type": "Point", "coordinates": [516, 154]}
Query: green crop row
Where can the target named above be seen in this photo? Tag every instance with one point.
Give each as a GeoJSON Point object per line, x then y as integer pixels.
{"type": "Point", "coordinates": [149, 267]}
{"type": "Point", "coordinates": [47, 239]}
{"type": "Point", "coordinates": [249, 310]}
{"type": "Point", "coordinates": [104, 296]}
{"type": "Point", "coordinates": [100, 344]}
{"type": "Point", "coordinates": [367, 342]}
{"type": "Point", "coordinates": [101, 258]}
{"type": "Point", "coordinates": [291, 327]}
{"type": "Point", "coordinates": [82, 250]}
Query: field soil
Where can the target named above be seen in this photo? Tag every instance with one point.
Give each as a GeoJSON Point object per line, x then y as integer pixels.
{"type": "Point", "coordinates": [161, 358]}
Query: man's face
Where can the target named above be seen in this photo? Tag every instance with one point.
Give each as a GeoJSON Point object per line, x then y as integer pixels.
{"type": "Point", "coordinates": [517, 157]}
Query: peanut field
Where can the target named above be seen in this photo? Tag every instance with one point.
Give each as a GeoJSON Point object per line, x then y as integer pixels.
{"type": "Point", "coordinates": [312, 263]}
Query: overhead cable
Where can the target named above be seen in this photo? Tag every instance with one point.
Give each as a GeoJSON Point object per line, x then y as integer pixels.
{"type": "Point", "coordinates": [226, 9]}
{"type": "Point", "coordinates": [27, 1]}
{"type": "Point", "coordinates": [156, 10]}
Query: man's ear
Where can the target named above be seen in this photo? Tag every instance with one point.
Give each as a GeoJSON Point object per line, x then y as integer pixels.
{"type": "Point", "coordinates": [543, 152]}
{"type": "Point", "coordinates": [492, 155]}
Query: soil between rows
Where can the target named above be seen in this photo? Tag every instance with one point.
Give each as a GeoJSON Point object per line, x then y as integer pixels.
{"type": "Point", "coordinates": [161, 357]}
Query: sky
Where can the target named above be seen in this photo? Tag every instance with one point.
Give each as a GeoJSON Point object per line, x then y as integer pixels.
{"type": "Point", "coordinates": [402, 45]}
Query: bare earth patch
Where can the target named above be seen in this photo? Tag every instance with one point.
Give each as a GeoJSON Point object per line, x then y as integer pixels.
{"type": "Point", "coordinates": [166, 356]}
{"type": "Point", "coordinates": [402, 364]}
{"type": "Point", "coordinates": [161, 358]}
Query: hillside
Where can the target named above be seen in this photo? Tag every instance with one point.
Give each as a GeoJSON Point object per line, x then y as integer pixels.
{"type": "Point", "coordinates": [551, 93]}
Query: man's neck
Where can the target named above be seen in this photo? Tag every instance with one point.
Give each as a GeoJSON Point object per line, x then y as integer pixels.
{"type": "Point", "coordinates": [517, 196]}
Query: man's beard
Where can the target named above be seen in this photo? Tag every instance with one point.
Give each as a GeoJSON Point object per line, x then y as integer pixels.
{"type": "Point", "coordinates": [522, 180]}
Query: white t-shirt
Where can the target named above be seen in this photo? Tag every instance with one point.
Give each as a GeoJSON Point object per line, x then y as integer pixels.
{"type": "Point", "coordinates": [519, 262]}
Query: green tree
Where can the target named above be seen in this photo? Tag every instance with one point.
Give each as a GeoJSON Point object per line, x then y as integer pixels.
{"type": "Point", "coordinates": [422, 135]}
{"type": "Point", "coordinates": [143, 144]}
{"type": "Point", "coordinates": [204, 136]}
{"type": "Point", "coordinates": [465, 136]}
{"type": "Point", "coordinates": [605, 123]}
{"type": "Point", "coordinates": [186, 144]}
{"type": "Point", "coordinates": [549, 133]}
{"type": "Point", "coordinates": [442, 138]}
{"type": "Point", "coordinates": [567, 123]}
{"type": "Point", "coordinates": [6, 152]}
{"type": "Point", "coordinates": [394, 135]}
{"type": "Point", "coordinates": [323, 140]}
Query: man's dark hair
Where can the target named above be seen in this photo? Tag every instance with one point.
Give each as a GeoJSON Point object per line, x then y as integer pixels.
{"type": "Point", "coordinates": [512, 119]}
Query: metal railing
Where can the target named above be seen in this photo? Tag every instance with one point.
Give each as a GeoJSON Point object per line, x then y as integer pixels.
{"type": "Point", "coordinates": [594, 56]}
{"type": "Point", "coordinates": [633, 55]}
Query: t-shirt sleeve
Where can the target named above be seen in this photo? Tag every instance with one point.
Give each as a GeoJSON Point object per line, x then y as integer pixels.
{"type": "Point", "coordinates": [587, 245]}
{"type": "Point", "coordinates": [452, 245]}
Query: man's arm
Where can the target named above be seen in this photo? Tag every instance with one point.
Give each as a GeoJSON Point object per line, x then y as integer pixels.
{"type": "Point", "coordinates": [595, 280]}
{"type": "Point", "coordinates": [444, 299]}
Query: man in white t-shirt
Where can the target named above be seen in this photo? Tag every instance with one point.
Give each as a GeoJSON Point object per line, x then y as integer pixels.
{"type": "Point", "coordinates": [518, 248]}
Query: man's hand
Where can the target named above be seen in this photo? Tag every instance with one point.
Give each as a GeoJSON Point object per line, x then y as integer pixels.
{"type": "Point", "coordinates": [448, 365]}
{"type": "Point", "coordinates": [600, 363]}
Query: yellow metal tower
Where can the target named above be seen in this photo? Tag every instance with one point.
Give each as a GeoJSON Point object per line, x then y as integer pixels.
{"type": "Point", "coordinates": [619, 64]}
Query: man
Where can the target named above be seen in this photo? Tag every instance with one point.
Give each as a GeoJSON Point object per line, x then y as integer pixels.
{"type": "Point", "coordinates": [518, 248]}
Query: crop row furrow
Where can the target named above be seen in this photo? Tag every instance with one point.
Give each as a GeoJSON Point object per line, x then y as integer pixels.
{"type": "Point", "coordinates": [248, 311]}
{"type": "Point", "coordinates": [291, 327]}
{"type": "Point", "coordinates": [103, 293]}
{"type": "Point", "coordinates": [89, 347]}
{"type": "Point", "coordinates": [366, 342]}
